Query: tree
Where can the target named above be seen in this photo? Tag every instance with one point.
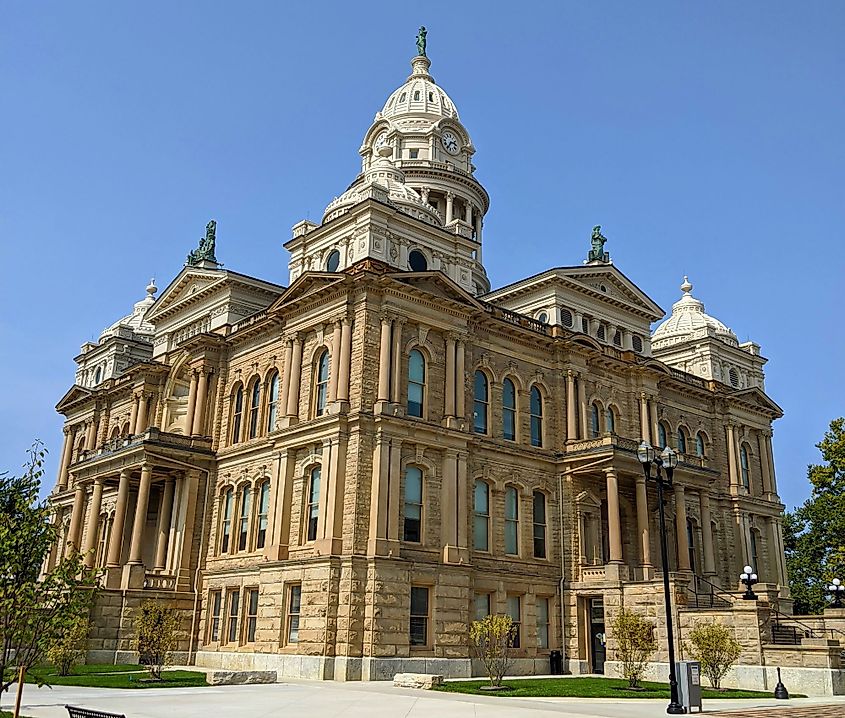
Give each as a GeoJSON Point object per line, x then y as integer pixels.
{"type": "Point", "coordinates": [68, 648]}
{"type": "Point", "coordinates": [35, 609]}
{"type": "Point", "coordinates": [814, 533]}
{"type": "Point", "coordinates": [492, 641]}
{"type": "Point", "coordinates": [635, 643]}
{"type": "Point", "coordinates": [156, 635]}
{"type": "Point", "coordinates": [716, 648]}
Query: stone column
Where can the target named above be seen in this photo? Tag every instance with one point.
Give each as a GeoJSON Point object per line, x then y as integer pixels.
{"type": "Point", "coordinates": [335, 362]}
{"type": "Point", "coordinates": [164, 515]}
{"type": "Point", "coordinates": [450, 377]}
{"type": "Point", "coordinates": [448, 504]}
{"type": "Point", "coordinates": [281, 493]}
{"type": "Point", "coordinates": [396, 372]}
{"type": "Point", "coordinates": [614, 521]}
{"type": "Point", "coordinates": [394, 489]}
{"type": "Point", "coordinates": [116, 538]}
{"type": "Point", "coordinates": [652, 409]}
{"type": "Point", "coordinates": [770, 457]}
{"type": "Point", "coordinates": [285, 388]}
{"type": "Point", "coordinates": [141, 420]}
{"type": "Point", "coordinates": [133, 415]}
{"type": "Point", "coordinates": [91, 435]}
{"type": "Point", "coordinates": [192, 404]}
{"type": "Point", "coordinates": [93, 523]}
{"type": "Point", "coordinates": [582, 408]}
{"type": "Point", "coordinates": [141, 504]}
{"type": "Point", "coordinates": [185, 578]}
{"type": "Point", "coordinates": [681, 528]}
{"type": "Point", "coordinates": [295, 379]}
{"type": "Point", "coordinates": [67, 451]}
{"type": "Point", "coordinates": [468, 213]}
{"type": "Point", "coordinates": [460, 379]}
{"type": "Point", "coordinates": [76, 520]}
{"type": "Point", "coordinates": [645, 432]}
{"type": "Point", "coordinates": [378, 543]}
{"type": "Point", "coordinates": [450, 203]}
{"type": "Point", "coordinates": [643, 531]}
{"type": "Point", "coordinates": [345, 359]}
{"type": "Point", "coordinates": [706, 534]}
{"type": "Point", "coordinates": [765, 473]}
{"type": "Point", "coordinates": [571, 415]}
{"type": "Point", "coordinates": [331, 517]}
{"type": "Point", "coordinates": [478, 224]}
{"type": "Point", "coordinates": [732, 463]}
{"type": "Point", "coordinates": [384, 361]}
{"type": "Point", "coordinates": [198, 425]}
{"type": "Point", "coordinates": [462, 503]}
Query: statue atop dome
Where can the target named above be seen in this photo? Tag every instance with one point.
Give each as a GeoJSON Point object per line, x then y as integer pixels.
{"type": "Point", "coordinates": [597, 253]}
{"type": "Point", "coordinates": [205, 251]}
{"type": "Point", "coordinates": [421, 41]}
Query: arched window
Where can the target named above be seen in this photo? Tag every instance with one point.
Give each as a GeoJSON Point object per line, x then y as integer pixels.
{"type": "Point", "coordinates": [662, 442]}
{"type": "Point", "coordinates": [691, 544]}
{"type": "Point", "coordinates": [609, 420]}
{"type": "Point", "coordinates": [413, 504]}
{"type": "Point", "coordinates": [481, 516]}
{"type": "Point", "coordinates": [508, 410]}
{"type": "Point", "coordinates": [312, 511]}
{"type": "Point", "coordinates": [481, 403]}
{"type": "Point", "coordinates": [263, 514]}
{"type": "Point", "coordinates": [417, 261]}
{"type": "Point", "coordinates": [595, 428]}
{"type": "Point", "coordinates": [98, 375]}
{"type": "Point", "coordinates": [322, 385]}
{"type": "Point", "coordinates": [754, 558]}
{"type": "Point", "coordinates": [744, 466]}
{"type": "Point", "coordinates": [566, 317]}
{"type": "Point", "coordinates": [272, 400]}
{"type": "Point", "coordinates": [416, 383]}
{"type": "Point", "coordinates": [539, 524]}
{"type": "Point", "coordinates": [243, 522]}
{"type": "Point", "coordinates": [699, 444]}
{"type": "Point", "coordinates": [682, 441]}
{"type": "Point", "coordinates": [333, 261]}
{"type": "Point", "coordinates": [226, 523]}
{"type": "Point", "coordinates": [237, 414]}
{"type": "Point", "coordinates": [512, 521]}
{"type": "Point", "coordinates": [536, 405]}
{"type": "Point", "coordinates": [254, 408]}
{"type": "Point", "coordinates": [637, 343]}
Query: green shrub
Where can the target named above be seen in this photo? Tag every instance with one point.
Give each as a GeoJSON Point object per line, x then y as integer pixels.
{"type": "Point", "coordinates": [716, 648]}
{"type": "Point", "coordinates": [492, 641]}
{"type": "Point", "coordinates": [635, 643]}
{"type": "Point", "coordinates": [67, 649]}
{"type": "Point", "coordinates": [156, 635]}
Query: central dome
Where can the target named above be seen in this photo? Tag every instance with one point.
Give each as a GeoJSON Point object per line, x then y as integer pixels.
{"type": "Point", "coordinates": [690, 321]}
{"type": "Point", "coordinates": [419, 96]}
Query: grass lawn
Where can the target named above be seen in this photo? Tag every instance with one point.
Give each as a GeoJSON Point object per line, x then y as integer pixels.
{"type": "Point", "coordinates": [115, 676]}
{"type": "Point", "coordinates": [586, 688]}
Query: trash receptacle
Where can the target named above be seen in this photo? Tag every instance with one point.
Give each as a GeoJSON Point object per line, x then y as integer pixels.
{"type": "Point", "coordinates": [689, 684]}
{"type": "Point", "coordinates": [556, 663]}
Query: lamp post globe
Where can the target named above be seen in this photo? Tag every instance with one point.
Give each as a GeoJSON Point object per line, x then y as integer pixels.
{"type": "Point", "coordinates": [749, 578]}
{"type": "Point", "coordinates": [837, 592]}
{"type": "Point", "coordinates": [645, 454]}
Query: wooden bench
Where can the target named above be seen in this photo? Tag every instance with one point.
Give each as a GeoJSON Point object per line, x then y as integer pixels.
{"type": "Point", "coordinates": [77, 712]}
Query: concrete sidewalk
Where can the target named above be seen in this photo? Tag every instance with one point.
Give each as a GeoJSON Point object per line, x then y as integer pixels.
{"type": "Point", "coordinates": [352, 700]}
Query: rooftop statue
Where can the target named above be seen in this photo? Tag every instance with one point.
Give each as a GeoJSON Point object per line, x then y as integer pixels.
{"type": "Point", "coordinates": [421, 41]}
{"type": "Point", "coordinates": [205, 251]}
{"type": "Point", "coordinates": [597, 253]}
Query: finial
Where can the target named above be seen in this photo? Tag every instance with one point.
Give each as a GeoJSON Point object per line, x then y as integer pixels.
{"type": "Point", "coordinates": [686, 287]}
{"type": "Point", "coordinates": [151, 287]}
{"type": "Point", "coordinates": [421, 41]}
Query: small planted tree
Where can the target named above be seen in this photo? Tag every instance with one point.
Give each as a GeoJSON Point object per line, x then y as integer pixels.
{"type": "Point", "coordinates": [716, 648]}
{"type": "Point", "coordinates": [492, 641]}
{"type": "Point", "coordinates": [156, 635]}
{"type": "Point", "coordinates": [635, 644]}
{"type": "Point", "coordinates": [68, 647]}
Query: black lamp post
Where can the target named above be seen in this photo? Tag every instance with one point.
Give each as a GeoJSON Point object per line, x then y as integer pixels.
{"type": "Point", "coordinates": [667, 460]}
{"type": "Point", "coordinates": [749, 579]}
{"type": "Point", "coordinates": [837, 592]}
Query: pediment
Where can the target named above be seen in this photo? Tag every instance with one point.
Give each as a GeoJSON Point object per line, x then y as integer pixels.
{"type": "Point", "coordinates": [607, 282]}
{"type": "Point", "coordinates": [189, 285]}
{"type": "Point", "coordinates": [306, 285]}
{"type": "Point", "coordinates": [437, 284]}
{"type": "Point", "coordinates": [759, 398]}
{"type": "Point", "coordinates": [73, 396]}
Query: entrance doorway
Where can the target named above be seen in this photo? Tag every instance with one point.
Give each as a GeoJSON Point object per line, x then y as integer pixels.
{"type": "Point", "coordinates": [598, 640]}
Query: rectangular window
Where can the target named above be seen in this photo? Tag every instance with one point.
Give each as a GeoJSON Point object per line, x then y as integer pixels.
{"type": "Point", "coordinates": [226, 525]}
{"type": "Point", "coordinates": [234, 603]}
{"type": "Point", "coordinates": [419, 616]}
{"type": "Point", "coordinates": [512, 521]}
{"type": "Point", "coordinates": [243, 523]}
{"type": "Point", "coordinates": [294, 603]}
{"type": "Point", "coordinates": [216, 609]}
{"type": "Point", "coordinates": [263, 510]}
{"type": "Point", "coordinates": [542, 623]}
{"type": "Point", "coordinates": [539, 525]}
{"type": "Point", "coordinates": [413, 154]}
{"type": "Point", "coordinates": [515, 612]}
{"type": "Point", "coordinates": [412, 530]}
{"type": "Point", "coordinates": [251, 614]}
{"type": "Point", "coordinates": [313, 511]}
{"type": "Point", "coordinates": [481, 517]}
{"type": "Point", "coordinates": [480, 606]}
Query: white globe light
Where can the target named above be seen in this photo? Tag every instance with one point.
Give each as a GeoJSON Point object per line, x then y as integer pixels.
{"type": "Point", "coordinates": [836, 581]}
{"type": "Point", "coordinates": [743, 576]}
{"type": "Point", "coordinates": [748, 569]}
{"type": "Point", "coordinates": [753, 576]}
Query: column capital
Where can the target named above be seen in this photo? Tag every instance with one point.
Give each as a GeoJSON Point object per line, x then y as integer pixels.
{"type": "Point", "coordinates": [387, 316]}
{"type": "Point", "coordinates": [612, 472]}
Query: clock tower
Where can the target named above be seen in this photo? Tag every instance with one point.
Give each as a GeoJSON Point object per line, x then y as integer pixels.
{"type": "Point", "coordinates": [416, 157]}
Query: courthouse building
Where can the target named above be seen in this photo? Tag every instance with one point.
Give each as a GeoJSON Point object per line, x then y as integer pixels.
{"type": "Point", "coordinates": [334, 478]}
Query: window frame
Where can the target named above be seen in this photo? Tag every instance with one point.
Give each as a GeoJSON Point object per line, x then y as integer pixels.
{"type": "Point", "coordinates": [683, 443]}
{"type": "Point", "coordinates": [662, 435]}
{"type": "Point", "coordinates": [421, 386]}
{"type": "Point", "coordinates": [539, 526]}
{"type": "Point", "coordinates": [516, 622]}
{"type": "Point", "coordinates": [424, 617]}
{"type": "Point", "coordinates": [254, 409]}
{"type": "Point", "coordinates": [262, 519]}
{"type": "Point", "coordinates": [312, 504]}
{"type": "Point", "coordinates": [233, 596]}
{"type": "Point", "coordinates": [536, 412]}
{"type": "Point", "coordinates": [291, 616]}
{"type": "Point", "coordinates": [479, 517]}
{"type": "Point", "coordinates": [609, 419]}
{"type": "Point", "coordinates": [543, 627]}
{"type": "Point", "coordinates": [595, 420]}
{"type": "Point", "coordinates": [227, 497]}
{"type": "Point", "coordinates": [237, 413]}
{"type": "Point", "coordinates": [215, 603]}
{"type": "Point", "coordinates": [745, 466]}
{"type": "Point", "coordinates": [700, 445]}
{"type": "Point", "coordinates": [488, 599]}
{"type": "Point", "coordinates": [321, 382]}
{"type": "Point", "coordinates": [509, 412]}
{"type": "Point", "coordinates": [512, 521]}
{"type": "Point", "coordinates": [272, 401]}
{"type": "Point", "coordinates": [250, 618]}
{"type": "Point", "coordinates": [480, 407]}
{"type": "Point", "coordinates": [244, 504]}
{"type": "Point", "coordinates": [418, 504]}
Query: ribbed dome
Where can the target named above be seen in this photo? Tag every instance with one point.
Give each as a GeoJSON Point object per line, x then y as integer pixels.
{"type": "Point", "coordinates": [420, 96]}
{"type": "Point", "coordinates": [689, 321]}
{"type": "Point", "coordinates": [135, 321]}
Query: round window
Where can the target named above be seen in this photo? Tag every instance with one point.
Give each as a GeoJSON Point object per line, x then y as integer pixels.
{"type": "Point", "coordinates": [543, 317]}
{"type": "Point", "coordinates": [417, 261]}
{"type": "Point", "coordinates": [333, 262]}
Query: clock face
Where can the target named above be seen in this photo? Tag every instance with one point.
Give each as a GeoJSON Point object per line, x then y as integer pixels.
{"type": "Point", "coordinates": [381, 140]}
{"type": "Point", "coordinates": [450, 142]}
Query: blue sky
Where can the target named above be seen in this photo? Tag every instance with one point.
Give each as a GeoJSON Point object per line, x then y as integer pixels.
{"type": "Point", "coordinates": [705, 138]}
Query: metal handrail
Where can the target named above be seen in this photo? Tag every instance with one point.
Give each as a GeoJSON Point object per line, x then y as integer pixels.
{"type": "Point", "coordinates": [784, 619]}
{"type": "Point", "coordinates": [719, 598]}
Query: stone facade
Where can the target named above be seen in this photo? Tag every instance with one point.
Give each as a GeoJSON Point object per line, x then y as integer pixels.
{"type": "Point", "coordinates": [332, 480]}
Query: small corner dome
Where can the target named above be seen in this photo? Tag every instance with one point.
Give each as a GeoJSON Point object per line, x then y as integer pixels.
{"type": "Point", "coordinates": [135, 320]}
{"type": "Point", "coordinates": [690, 321]}
{"type": "Point", "coordinates": [420, 96]}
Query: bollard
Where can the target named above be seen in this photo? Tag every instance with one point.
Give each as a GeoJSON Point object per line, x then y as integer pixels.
{"type": "Point", "coordinates": [780, 689]}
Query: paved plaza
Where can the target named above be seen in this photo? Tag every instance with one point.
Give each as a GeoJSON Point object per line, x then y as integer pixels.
{"type": "Point", "coordinates": [374, 700]}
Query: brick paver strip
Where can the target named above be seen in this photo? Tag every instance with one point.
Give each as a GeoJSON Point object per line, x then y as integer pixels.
{"type": "Point", "coordinates": [828, 711]}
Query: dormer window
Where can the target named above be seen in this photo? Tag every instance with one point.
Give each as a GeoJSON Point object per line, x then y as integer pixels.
{"type": "Point", "coordinates": [637, 343]}
{"type": "Point", "coordinates": [417, 95]}
{"type": "Point", "coordinates": [403, 96]}
{"type": "Point", "coordinates": [431, 97]}
{"type": "Point", "coordinates": [566, 317]}
{"type": "Point", "coordinates": [98, 375]}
